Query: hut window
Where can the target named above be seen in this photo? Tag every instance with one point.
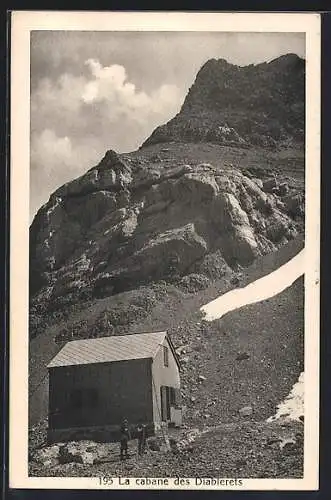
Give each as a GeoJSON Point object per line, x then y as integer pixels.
{"type": "Point", "coordinates": [166, 355]}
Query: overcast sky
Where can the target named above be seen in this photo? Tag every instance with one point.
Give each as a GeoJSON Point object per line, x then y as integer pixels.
{"type": "Point", "coordinates": [93, 91]}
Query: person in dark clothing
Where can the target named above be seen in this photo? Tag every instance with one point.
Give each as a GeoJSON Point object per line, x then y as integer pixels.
{"type": "Point", "coordinates": [125, 437]}
{"type": "Point", "coordinates": [141, 434]}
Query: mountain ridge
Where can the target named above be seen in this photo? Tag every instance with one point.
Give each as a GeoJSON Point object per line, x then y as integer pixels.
{"type": "Point", "coordinates": [260, 104]}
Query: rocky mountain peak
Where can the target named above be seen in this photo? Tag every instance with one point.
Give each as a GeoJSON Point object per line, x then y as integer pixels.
{"type": "Point", "coordinates": [263, 104]}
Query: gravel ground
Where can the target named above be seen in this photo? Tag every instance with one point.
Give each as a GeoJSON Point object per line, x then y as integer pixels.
{"type": "Point", "coordinates": [244, 450]}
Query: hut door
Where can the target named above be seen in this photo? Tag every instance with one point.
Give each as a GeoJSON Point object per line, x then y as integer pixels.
{"type": "Point", "coordinates": [165, 403]}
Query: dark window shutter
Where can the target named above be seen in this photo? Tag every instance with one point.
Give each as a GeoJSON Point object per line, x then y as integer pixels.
{"type": "Point", "coordinates": [168, 392]}
{"type": "Point", "coordinates": [163, 390]}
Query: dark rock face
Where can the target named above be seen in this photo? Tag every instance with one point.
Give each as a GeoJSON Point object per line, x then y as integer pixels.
{"type": "Point", "coordinates": [123, 225]}
{"type": "Point", "coordinates": [259, 104]}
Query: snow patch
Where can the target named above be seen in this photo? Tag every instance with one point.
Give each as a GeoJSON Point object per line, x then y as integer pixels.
{"type": "Point", "coordinates": [261, 289]}
{"type": "Point", "coordinates": [292, 408]}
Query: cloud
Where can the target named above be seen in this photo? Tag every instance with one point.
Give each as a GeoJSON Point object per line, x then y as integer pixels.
{"type": "Point", "coordinates": [75, 119]}
{"type": "Point", "coordinates": [110, 86]}
{"type": "Point", "coordinates": [54, 161]}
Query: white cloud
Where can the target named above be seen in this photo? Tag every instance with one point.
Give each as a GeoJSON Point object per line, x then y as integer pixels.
{"type": "Point", "coordinates": [54, 161]}
{"type": "Point", "coordinates": [47, 146]}
{"type": "Point", "coordinates": [59, 104]}
{"type": "Point", "coordinates": [75, 119]}
{"type": "Point", "coordinates": [110, 85]}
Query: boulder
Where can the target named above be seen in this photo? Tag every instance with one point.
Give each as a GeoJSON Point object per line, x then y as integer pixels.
{"type": "Point", "coordinates": [246, 411]}
{"type": "Point", "coordinates": [246, 201]}
{"type": "Point", "coordinates": [236, 214]}
{"type": "Point", "coordinates": [258, 182]}
{"type": "Point", "coordinates": [48, 457]}
{"type": "Point", "coordinates": [197, 187]}
{"type": "Point", "coordinates": [174, 249]}
{"type": "Point", "coordinates": [288, 445]}
{"type": "Point", "coordinates": [283, 189]}
{"type": "Point", "coordinates": [242, 356]}
{"type": "Point", "coordinates": [154, 444]}
{"type": "Point", "coordinates": [294, 205]}
{"type": "Point", "coordinates": [245, 247]}
{"type": "Point", "coordinates": [82, 452]}
{"type": "Point", "coordinates": [277, 228]}
{"type": "Point", "coordinates": [70, 453]}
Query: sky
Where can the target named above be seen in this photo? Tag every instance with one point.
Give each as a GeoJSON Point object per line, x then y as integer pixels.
{"type": "Point", "coordinates": [94, 91]}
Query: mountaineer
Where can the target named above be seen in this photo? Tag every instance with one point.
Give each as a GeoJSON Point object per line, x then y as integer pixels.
{"type": "Point", "coordinates": [124, 438]}
{"type": "Point", "coordinates": [141, 434]}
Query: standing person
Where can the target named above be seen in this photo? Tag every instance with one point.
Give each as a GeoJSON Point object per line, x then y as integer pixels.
{"type": "Point", "coordinates": [125, 437]}
{"type": "Point", "coordinates": [141, 433]}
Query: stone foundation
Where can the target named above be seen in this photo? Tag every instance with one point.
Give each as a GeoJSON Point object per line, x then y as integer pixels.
{"type": "Point", "coordinates": [107, 433]}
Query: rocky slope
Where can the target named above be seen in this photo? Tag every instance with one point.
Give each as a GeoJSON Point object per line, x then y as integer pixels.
{"type": "Point", "coordinates": [259, 104]}
{"type": "Point", "coordinates": [251, 357]}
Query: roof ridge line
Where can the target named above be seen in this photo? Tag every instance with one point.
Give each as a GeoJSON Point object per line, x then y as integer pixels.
{"type": "Point", "coordinates": [108, 349]}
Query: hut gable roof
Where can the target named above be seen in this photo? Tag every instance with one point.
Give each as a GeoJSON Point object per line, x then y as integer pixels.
{"type": "Point", "coordinates": [108, 349]}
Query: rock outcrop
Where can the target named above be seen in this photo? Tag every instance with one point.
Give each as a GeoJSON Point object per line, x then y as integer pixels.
{"type": "Point", "coordinates": [123, 225]}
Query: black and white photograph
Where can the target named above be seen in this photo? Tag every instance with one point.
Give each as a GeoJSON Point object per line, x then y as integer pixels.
{"type": "Point", "coordinates": [165, 251]}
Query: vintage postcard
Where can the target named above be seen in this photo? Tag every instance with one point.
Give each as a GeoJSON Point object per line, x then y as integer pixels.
{"type": "Point", "coordinates": [164, 280]}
